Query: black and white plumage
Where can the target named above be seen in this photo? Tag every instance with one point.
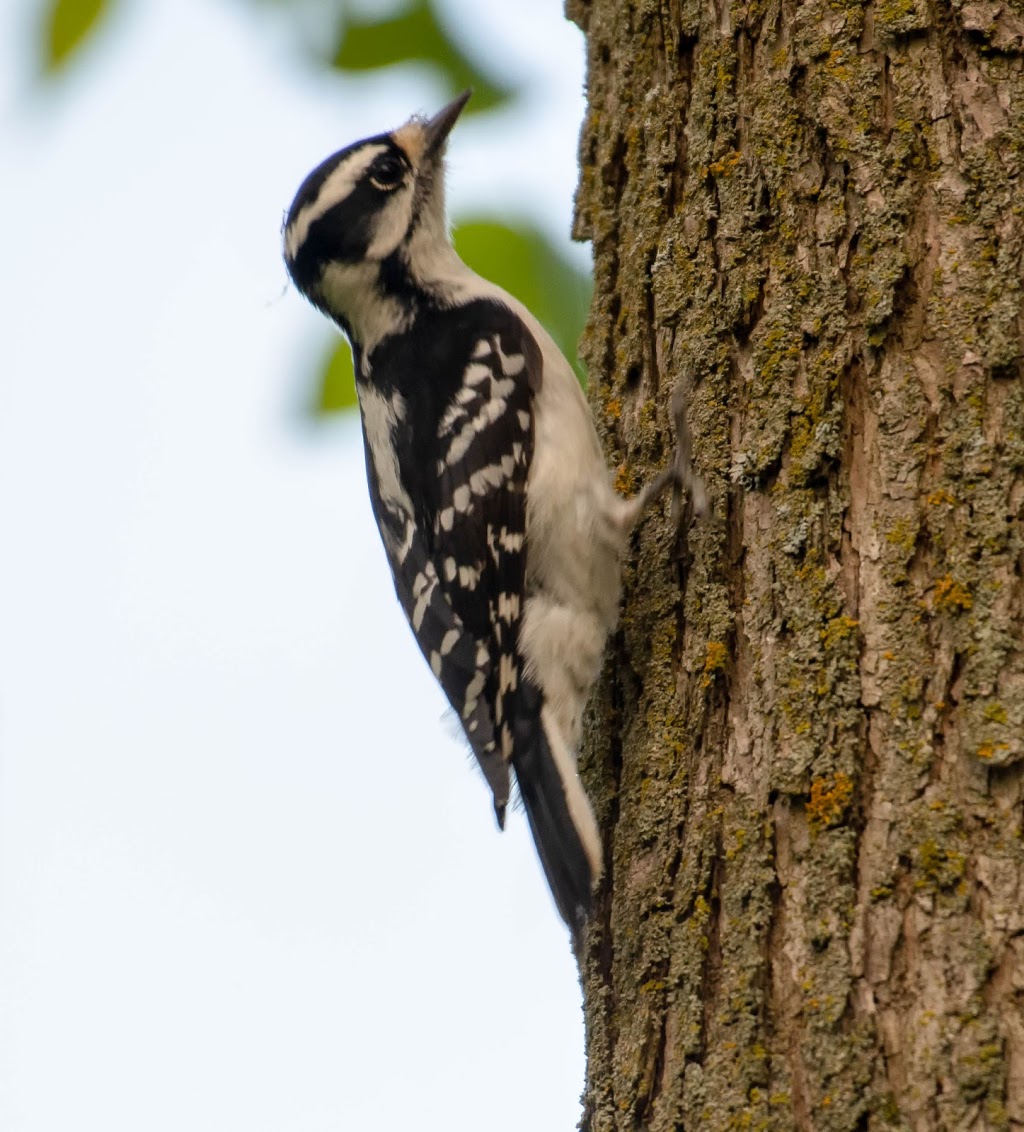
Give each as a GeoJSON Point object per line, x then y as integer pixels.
{"type": "Point", "coordinates": [486, 478]}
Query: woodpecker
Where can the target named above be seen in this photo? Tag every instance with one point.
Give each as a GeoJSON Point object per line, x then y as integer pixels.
{"type": "Point", "coordinates": [504, 534]}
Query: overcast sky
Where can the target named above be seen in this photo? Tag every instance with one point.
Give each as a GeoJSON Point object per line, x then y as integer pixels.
{"type": "Point", "coordinates": [249, 878]}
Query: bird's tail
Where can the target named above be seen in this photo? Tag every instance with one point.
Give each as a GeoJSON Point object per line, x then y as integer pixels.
{"type": "Point", "coordinates": [561, 820]}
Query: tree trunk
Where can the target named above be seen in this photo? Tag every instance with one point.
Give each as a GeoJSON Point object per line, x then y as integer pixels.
{"type": "Point", "coordinates": [807, 749]}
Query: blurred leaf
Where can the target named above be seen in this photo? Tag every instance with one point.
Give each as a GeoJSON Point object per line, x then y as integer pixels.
{"type": "Point", "coordinates": [525, 263]}
{"type": "Point", "coordinates": [68, 23]}
{"type": "Point", "coordinates": [337, 388]}
{"type": "Point", "coordinates": [416, 35]}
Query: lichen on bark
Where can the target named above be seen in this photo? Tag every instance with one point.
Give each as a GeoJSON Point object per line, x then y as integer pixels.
{"type": "Point", "coordinates": [807, 747]}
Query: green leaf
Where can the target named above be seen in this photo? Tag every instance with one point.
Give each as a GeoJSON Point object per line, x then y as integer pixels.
{"type": "Point", "coordinates": [336, 390]}
{"type": "Point", "coordinates": [67, 24]}
{"type": "Point", "coordinates": [523, 261]}
{"type": "Point", "coordinates": [416, 36]}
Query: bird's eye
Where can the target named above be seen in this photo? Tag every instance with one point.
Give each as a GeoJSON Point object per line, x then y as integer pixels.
{"type": "Point", "coordinates": [386, 173]}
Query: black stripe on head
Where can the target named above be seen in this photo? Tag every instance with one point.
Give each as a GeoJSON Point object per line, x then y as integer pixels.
{"type": "Point", "coordinates": [345, 231]}
{"type": "Point", "coordinates": [310, 188]}
{"type": "Point", "coordinates": [395, 280]}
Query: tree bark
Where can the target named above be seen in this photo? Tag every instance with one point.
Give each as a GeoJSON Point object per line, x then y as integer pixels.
{"type": "Point", "coordinates": [807, 749]}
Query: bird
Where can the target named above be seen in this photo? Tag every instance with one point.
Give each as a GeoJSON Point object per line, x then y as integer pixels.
{"type": "Point", "coordinates": [503, 531]}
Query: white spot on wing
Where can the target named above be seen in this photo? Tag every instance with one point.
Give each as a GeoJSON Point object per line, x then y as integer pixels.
{"type": "Point", "coordinates": [421, 607]}
{"type": "Point", "coordinates": [493, 475]}
{"type": "Point", "coordinates": [508, 676]}
{"type": "Point", "coordinates": [508, 607]}
{"type": "Point", "coordinates": [476, 374]}
{"type": "Point", "coordinates": [491, 411]}
{"type": "Point", "coordinates": [510, 540]}
{"type": "Point", "coordinates": [511, 364]}
{"type": "Point", "coordinates": [474, 688]}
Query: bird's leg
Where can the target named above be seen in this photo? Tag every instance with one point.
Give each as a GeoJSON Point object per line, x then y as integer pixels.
{"type": "Point", "coordinates": [679, 475]}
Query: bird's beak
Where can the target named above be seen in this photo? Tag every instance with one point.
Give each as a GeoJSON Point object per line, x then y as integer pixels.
{"type": "Point", "coordinates": [440, 126]}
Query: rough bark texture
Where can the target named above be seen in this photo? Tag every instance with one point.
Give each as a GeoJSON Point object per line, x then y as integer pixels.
{"type": "Point", "coordinates": [807, 750]}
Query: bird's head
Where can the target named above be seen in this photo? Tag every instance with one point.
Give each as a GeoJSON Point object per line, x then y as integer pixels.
{"type": "Point", "coordinates": [364, 219]}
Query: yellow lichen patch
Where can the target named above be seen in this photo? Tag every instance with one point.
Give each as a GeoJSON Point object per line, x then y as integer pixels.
{"type": "Point", "coordinates": [838, 629]}
{"type": "Point", "coordinates": [724, 166]}
{"type": "Point", "coordinates": [994, 712]}
{"type": "Point", "coordinates": [739, 839]}
{"type": "Point", "coordinates": [939, 867]}
{"type": "Point", "coordinates": [624, 480]}
{"type": "Point", "coordinates": [951, 594]}
{"type": "Point", "coordinates": [714, 661]}
{"type": "Point", "coordinates": [940, 498]}
{"type": "Point", "coordinates": [829, 800]}
{"type": "Point", "coordinates": [903, 535]}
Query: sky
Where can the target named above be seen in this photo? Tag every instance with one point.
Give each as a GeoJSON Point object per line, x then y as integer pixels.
{"type": "Point", "coordinates": [249, 877]}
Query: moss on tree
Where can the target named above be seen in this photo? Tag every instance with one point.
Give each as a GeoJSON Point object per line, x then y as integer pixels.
{"type": "Point", "coordinates": [807, 749]}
